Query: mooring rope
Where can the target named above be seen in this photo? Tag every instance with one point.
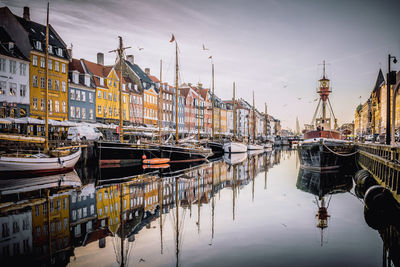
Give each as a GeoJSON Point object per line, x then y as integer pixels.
{"type": "Point", "coordinates": [339, 154]}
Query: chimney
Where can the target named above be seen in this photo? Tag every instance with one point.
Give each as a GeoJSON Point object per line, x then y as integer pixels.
{"type": "Point", "coordinates": [147, 70]}
{"type": "Point", "coordinates": [130, 59]}
{"type": "Point", "coordinates": [100, 58]}
{"type": "Point", "coordinates": [69, 51]}
{"type": "Point", "coordinates": [26, 15]}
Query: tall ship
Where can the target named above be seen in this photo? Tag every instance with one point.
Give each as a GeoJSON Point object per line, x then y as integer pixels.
{"type": "Point", "coordinates": [323, 147]}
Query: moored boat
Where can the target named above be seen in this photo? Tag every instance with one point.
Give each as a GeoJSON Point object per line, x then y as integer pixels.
{"type": "Point", "coordinates": [235, 147]}
{"type": "Point", "coordinates": [323, 148]}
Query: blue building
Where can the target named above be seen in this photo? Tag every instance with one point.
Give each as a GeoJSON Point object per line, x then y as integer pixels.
{"type": "Point", "coordinates": [181, 111]}
{"type": "Point", "coordinates": [81, 93]}
{"type": "Point", "coordinates": [82, 212]}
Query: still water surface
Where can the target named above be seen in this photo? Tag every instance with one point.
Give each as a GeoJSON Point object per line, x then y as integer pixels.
{"type": "Point", "coordinates": [258, 212]}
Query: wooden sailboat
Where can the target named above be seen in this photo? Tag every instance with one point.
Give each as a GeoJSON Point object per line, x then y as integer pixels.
{"type": "Point", "coordinates": [233, 146]}
{"type": "Point", "coordinates": [56, 161]}
{"type": "Point", "coordinates": [253, 145]}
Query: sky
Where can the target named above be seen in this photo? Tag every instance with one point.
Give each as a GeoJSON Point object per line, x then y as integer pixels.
{"type": "Point", "coordinates": [272, 47]}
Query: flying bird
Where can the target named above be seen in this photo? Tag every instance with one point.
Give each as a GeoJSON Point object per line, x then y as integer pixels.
{"type": "Point", "coordinates": [316, 99]}
{"type": "Point", "coordinates": [285, 86]}
{"type": "Point", "coordinates": [204, 48]}
{"type": "Point", "coordinates": [140, 48]}
{"type": "Point", "coordinates": [299, 98]}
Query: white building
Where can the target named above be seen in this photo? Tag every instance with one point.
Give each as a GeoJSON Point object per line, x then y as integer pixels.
{"type": "Point", "coordinates": [16, 234]}
{"type": "Point", "coordinates": [14, 79]}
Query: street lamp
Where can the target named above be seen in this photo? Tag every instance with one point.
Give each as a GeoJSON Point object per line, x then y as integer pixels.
{"type": "Point", "coordinates": [391, 79]}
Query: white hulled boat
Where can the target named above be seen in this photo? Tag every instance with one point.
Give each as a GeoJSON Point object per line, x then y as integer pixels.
{"type": "Point", "coordinates": [233, 146]}
{"type": "Point", "coordinates": [254, 146]}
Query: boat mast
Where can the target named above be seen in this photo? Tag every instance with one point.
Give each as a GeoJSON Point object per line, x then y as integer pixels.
{"type": "Point", "coordinates": [198, 117]}
{"type": "Point", "coordinates": [254, 122]}
{"type": "Point", "coordinates": [161, 197]}
{"type": "Point", "coordinates": [160, 104]}
{"type": "Point", "coordinates": [176, 92]}
{"type": "Point", "coordinates": [234, 113]}
{"type": "Point", "coordinates": [323, 101]}
{"type": "Point", "coordinates": [46, 124]}
{"type": "Point", "coordinates": [120, 52]}
{"type": "Point", "coordinates": [213, 103]}
{"type": "Point", "coordinates": [198, 202]}
{"type": "Point", "coordinates": [266, 121]}
{"type": "Point", "coordinates": [177, 219]}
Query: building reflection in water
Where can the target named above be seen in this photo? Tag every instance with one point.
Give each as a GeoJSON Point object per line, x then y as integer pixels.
{"type": "Point", "coordinates": [43, 220]}
{"type": "Point", "coordinates": [323, 185]}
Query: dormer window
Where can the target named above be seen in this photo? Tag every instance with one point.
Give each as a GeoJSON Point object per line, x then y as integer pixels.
{"type": "Point", "coordinates": [101, 79]}
{"type": "Point", "coordinates": [50, 48]}
{"type": "Point", "coordinates": [59, 52]}
{"type": "Point", "coordinates": [129, 86]}
{"type": "Point", "coordinates": [10, 45]}
{"type": "Point", "coordinates": [87, 80]}
{"type": "Point", "coordinates": [136, 87]}
{"type": "Point", "coordinates": [75, 77]}
{"type": "Point", "coordinates": [123, 87]}
{"type": "Point", "coordinates": [38, 45]}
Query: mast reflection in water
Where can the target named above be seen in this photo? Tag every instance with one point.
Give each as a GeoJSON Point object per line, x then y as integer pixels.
{"type": "Point", "coordinates": [229, 212]}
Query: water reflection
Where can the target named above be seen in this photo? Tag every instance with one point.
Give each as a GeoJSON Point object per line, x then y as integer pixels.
{"type": "Point", "coordinates": [44, 220]}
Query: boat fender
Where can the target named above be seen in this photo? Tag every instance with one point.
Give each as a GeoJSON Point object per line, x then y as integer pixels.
{"type": "Point", "coordinates": [375, 220]}
{"type": "Point", "coordinates": [365, 183]}
{"type": "Point", "coordinates": [380, 199]}
{"type": "Point", "coordinates": [144, 156]}
{"type": "Point", "coordinates": [360, 174]}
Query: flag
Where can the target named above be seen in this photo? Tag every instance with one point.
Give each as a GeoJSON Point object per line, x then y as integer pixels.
{"type": "Point", "coordinates": [172, 38]}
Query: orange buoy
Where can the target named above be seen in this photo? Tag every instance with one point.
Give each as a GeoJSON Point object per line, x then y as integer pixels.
{"type": "Point", "coordinates": [155, 166]}
{"type": "Point", "coordinates": [144, 156]}
{"type": "Point", "coordinates": [156, 161]}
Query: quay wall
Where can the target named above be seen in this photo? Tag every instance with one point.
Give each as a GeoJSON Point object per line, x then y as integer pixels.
{"type": "Point", "coordinates": [383, 163]}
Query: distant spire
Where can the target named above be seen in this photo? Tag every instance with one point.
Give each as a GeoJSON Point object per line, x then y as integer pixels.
{"type": "Point", "coordinates": [379, 80]}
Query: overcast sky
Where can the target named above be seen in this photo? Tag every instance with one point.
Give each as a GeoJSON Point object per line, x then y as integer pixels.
{"type": "Point", "coordinates": [274, 47]}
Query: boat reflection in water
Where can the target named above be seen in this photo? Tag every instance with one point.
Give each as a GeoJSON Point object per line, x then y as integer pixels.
{"type": "Point", "coordinates": [323, 185]}
{"type": "Point", "coordinates": [46, 220]}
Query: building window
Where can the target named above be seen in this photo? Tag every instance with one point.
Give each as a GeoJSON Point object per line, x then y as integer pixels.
{"type": "Point", "coordinates": [50, 106]}
{"type": "Point", "coordinates": [64, 107]}
{"type": "Point", "coordinates": [35, 104]}
{"type": "Point", "coordinates": [123, 99]}
{"type": "Point", "coordinates": [105, 111]}
{"type": "Point", "coordinates": [42, 62]}
{"type": "Point", "coordinates": [59, 52]}
{"type": "Point", "coordinates": [72, 111]}
{"type": "Point", "coordinates": [65, 203]}
{"type": "Point", "coordinates": [99, 109]}
{"type": "Point", "coordinates": [65, 223]}
{"type": "Point", "coordinates": [73, 215]}
{"type": "Point", "coordinates": [3, 87]}
{"type": "Point", "coordinates": [13, 66]}
{"type": "Point", "coordinates": [2, 64]}
{"type": "Point", "coordinates": [90, 97]}
{"type": "Point", "coordinates": [78, 112]}
{"type": "Point", "coordinates": [85, 212]}
{"type": "Point", "coordinates": [101, 79]}
{"type": "Point", "coordinates": [91, 114]}
{"type": "Point", "coordinates": [99, 94]}
{"type": "Point", "coordinates": [105, 95]}
{"type": "Point", "coordinates": [22, 90]}
{"type": "Point", "coordinates": [83, 95]}
{"type": "Point", "coordinates": [57, 106]}
{"type": "Point", "coordinates": [91, 209]}
{"type": "Point", "coordinates": [50, 84]}
{"type": "Point", "coordinates": [56, 65]}
{"type": "Point", "coordinates": [22, 69]}
{"type": "Point", "coordinates": [63, 85]}
{"type": "Point", "coordinates": [38, 45]}
{"type": "Point", "coordinates": [75, 77]}
{"type": "Point", "coordinates": [109, 96]}
{"type": "Point", "coordinates": [72, 94]}
{"type": "Point", "coordinates": [50, 63]}
{"type": "Point", "coordinates": [42, 82]}
{"type": "Point", "coordinates": [63, 68]}
{"type": "Point", "coordinates": [13, 89]}
{"type": "Point", "coordinates": [115, 112]}
{"type": "Point", "coordinates": [56, 85]}
{"type": "Point", "coordinates": [83, 113]}
{"type": "Point", "coordinates": [110, 111]}
{"type": "Point", "coordinates": [34, 81]}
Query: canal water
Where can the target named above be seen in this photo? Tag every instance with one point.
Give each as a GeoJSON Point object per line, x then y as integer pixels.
{"type": "Point", "coordinates": [255, 210]}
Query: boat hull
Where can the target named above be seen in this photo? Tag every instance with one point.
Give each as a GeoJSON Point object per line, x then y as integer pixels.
{"type": "Point", "coordinates": [117, 154]}
{"type": "Point", "coordinates": [217, 148]}
{"type": "Point", "coordinates": [34, 166]}
{"type": "Point", "coordinates": [324, 154]}
{"type": "Point", "coordinates": [254, 147]}
{"type": "Point", "coordinates": [235, 147]}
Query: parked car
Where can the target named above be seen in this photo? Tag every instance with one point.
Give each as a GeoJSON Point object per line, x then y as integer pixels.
{"type": "Point", "coordinates": [84, 133]}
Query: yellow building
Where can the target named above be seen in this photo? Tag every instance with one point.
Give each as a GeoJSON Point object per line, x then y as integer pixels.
{"type": "Point", "coordinates": [151, 195]}
{"type": "Point", "coordinates": [107, 84]}
{"type": "Point", "coordinates": [224, 121]}
{"type": "Point", "coordinates": [55, 223]}
{"type": "Point", "coordinates": [217, 122]}
{"type": "Point", "coordinates": [150, 101]}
